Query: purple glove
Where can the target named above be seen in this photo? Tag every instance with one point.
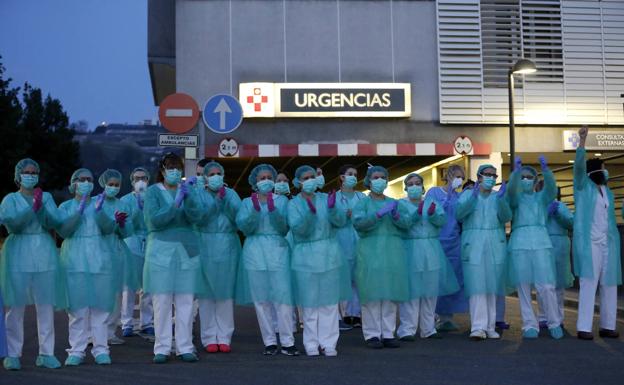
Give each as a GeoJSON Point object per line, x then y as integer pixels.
{"type": "Point", "coordinates": [181, 195]}
{"type": "Point", "coordinates": [517, 163]}
{"type": "Point", "coordinates": [221, 193]}
{"type": "Point", "coordinates": [553, 208]}
{"type": "Point", "coordinates": [501, 190]}
{"type": "Point", "coordinates": [120, 218]}
{"type": "Point", "coordinates": [99, 202]}
{"type": "Point", "coordinates": [431, 209]}
{"type": "Point", "coordinates": [543, 164]}
{"type": "Point", "coordinates": [270, 202]}
{"type": "Point", "coordinates": [139, 201]}
{"type": "Point", "coordinates": [475, 190]}
{"type": "Point", "coordinates": [83, 204]}
{"type": "Point", "coordinates": [395, 214]}
{"type": "Point", "coordinates": [311, 205]}
{"type": "Point", "coordinates": [449, 197]}
{"type": "Point", "coordinates": [386, 209]}
{"type": "Point", "coordinates": [420, 207]}
{"type": "Point", "coordinates": [331, 199]}
{"type": "Point", "coordinates": [255, 202]}
{"type": "Point", "coordinates": [37, 199]}
{"type": "Point", "coordinates": [192, 180]}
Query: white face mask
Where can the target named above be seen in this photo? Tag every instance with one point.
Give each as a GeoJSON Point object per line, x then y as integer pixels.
{"type": "Point", "coordinates": [456, 183]}
{"type": "Point", "coordinates": [140, 186]}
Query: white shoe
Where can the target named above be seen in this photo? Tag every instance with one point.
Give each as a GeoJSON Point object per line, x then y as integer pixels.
{"type": "Point", "coordinates": [114, 340]}
{"type": "Point", "coordinates": [493, 335]}
{"type": "Point", "coordinates": [478, 335]}
{"type": "Point", "coordinates": [312, 353]}
{"type": "Point", "coordinates": [330, 352]}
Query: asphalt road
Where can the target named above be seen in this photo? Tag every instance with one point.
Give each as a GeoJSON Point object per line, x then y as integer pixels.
{"type": "Point", "coordinates": [452, 360]}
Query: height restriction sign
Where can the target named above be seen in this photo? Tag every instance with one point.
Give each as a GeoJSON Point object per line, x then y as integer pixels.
{"type": "Point", "coordinates": [178, 113]}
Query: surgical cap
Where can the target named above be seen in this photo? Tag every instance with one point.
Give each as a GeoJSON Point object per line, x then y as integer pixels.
{"type": "Point", "coordinates": [412, 175]}
{"type": "Point", "coordinates": [76, 175]}
{"type": "Point", "coordinates": [213, 164]}
{"type": "Point", "coordinates": [21, 165]}
{"type": "Point", "coordinates": [370, 172]}
{"type": "Point", "coordinates": [108, 175]}
{"type": "Point", "coordinates": [299, 172]}
{"type": "Point", "coordinates": [139, 169]}
{"type": "Point", "coordinates": [530, 169]}
{"type": "Point", "coordinates": [257, 170]}
{"type": "Point", "coordinates": [483, 167]}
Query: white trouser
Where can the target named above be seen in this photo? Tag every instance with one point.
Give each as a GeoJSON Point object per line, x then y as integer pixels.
{"type": "Point", "coordinates": [482, 312]}
{"type": "Point", "coordinates": [84, 323]}
{"type": "Point", "coordinates": [266, 319]}
{"type": "Point", "coordinates": [352, 307]}
{"type": "Point", "coordinates": [320, 328]}
{"type": "Point", "coordinates": [549, 299]}
{"type": "Point", "coordinates": [500, 308]}
{"type": "Point", "coordinates": [163, 323]}
{"type": "Point", "coordinates": [587, 293]}
{"type": "Point", "coordinates": [146, 311]}
{"type": "Point", "coordinates": [541, 317]}
{"type": "Point", "coordinates": [15, 330]}
{"type": "Point", "coordinates": [379, 319]}
{"type": "Point", "coordinates": [114, 318]}
{"type": "Point", "coordinates": [417, 313]}
{"type": "Point", "coordinates": [217, 321]}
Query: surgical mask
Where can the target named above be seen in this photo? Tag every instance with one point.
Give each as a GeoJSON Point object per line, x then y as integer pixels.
{"type": "Point", "coordinates": [488, 182]}
{"type": "Point", "coordinates": [527, 185]}
{"type": "Point", "coordinates": [140, 186]}
{"type": "Point", "coordinates": [320, 181]}
{"type": "Point", "coordinates": [28, 181]}
{"type": "Point", "coordinates": [215, 182]}
{"type": "Point", "coordinates": [414, 191]}
{"type": "Point", "coordinates": [308, 186]}
{"type": "Point", "coordinates": [111, 191]}
{"type": "Point", "coordinates": [201, 181]}
{"type": "Point", "coordinates": [350, 181]}
{"type": "Point", "coordinates": [84, 188]}
{"type": "Point", "coordinates": [282, 188]}
{"type": "Point", "coordinates": [173, 176]}
{"type": "Point", "coordinates": [378, 185]}
{"type": "Point", "coordinates": [265, 186]}
{"type": "Point", "coordinates": [599, 177]}
{"type": "Point", "coordinates": [456, 183]}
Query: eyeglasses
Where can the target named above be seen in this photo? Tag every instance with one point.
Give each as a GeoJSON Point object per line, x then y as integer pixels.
{"type": "Point", "coordinates": [488, 174]}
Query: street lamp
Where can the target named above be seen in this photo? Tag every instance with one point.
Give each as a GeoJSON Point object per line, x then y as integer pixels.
{"type": "Point", "coordinates": [522, 67]}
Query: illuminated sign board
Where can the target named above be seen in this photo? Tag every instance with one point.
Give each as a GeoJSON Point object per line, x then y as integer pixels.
{"type": "Point", "coordinates": [596, 140]}
{"type": "Point", "coordinates": [325, 100]}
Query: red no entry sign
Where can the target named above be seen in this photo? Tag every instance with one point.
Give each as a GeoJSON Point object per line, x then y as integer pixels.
{"type": "Point", "coordinates": [178, 113]}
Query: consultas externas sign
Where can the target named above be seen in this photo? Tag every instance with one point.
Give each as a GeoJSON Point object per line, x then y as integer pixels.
{"type": "Point", "coordinates": [391, 100]}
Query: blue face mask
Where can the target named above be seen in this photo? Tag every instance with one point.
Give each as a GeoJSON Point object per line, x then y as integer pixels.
{"type": "Point", "coordinates": [488, 182]}
{"type": "Point", "coordinates": [378, 185]}
{"type": "Point", "coordinates": [282, 188]}
{"type": "Point", "coordinates": [215, 182]}
{"type": "Point", "coordinates": [308, 186]}
{"type": "Point", "coordinates": [111, 191]}
{"type": "Point", "coordinates": [201, 181]}
{"type": "Point", "coordinates": [265, 186]}
{"type": "Point", "coordinates": [320, 181]}
{"type": "Point", "coordinates": [414, 191]}
{"type": "Point", "coordinates": [527, 185]}
{"type": "Point", "coordinates": [173, 176]}
{"type": "Point", "coordinates": [84, 188]}
{"type": "Point", "coordinates": [350, 181]}
{"type": "Point", "coordinates": [28, 181]}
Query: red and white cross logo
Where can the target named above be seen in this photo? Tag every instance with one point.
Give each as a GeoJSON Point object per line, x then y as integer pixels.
{"type": "Point", "coordinates": [257, 99]}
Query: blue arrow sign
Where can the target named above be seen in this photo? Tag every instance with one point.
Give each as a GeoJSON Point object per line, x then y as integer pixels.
{"type": "Point", "coordinates": [222, 113]}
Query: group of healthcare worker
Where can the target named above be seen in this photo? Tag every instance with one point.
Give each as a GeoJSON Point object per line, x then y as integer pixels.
{"type": "Point", "coordinates": [335, 259]}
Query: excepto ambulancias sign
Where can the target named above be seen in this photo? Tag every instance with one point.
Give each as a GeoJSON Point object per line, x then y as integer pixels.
{"type": "Point", "coordinates": [596, 140]}
{"type": "Point", "coordinates": [325, 99]}
{"type": "Point", "coordinates": [167, 140]}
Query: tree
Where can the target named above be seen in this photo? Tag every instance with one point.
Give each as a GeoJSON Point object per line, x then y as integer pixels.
{"type": "Point", "coordinates": [36, 128]}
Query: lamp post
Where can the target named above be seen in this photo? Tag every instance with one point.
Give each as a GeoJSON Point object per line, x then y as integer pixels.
{"type": "Point", "coordinates": [522, 66]}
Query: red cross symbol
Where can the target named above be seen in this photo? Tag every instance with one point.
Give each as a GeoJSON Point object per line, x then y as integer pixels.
{"type": "Point", "coordinates": [257, 99]}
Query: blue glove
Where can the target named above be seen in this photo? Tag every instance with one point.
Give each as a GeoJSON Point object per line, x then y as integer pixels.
{"type": "Point", "coordinates": [386, 209]}
{"type": "Point", "coordinates": [517, 163]}
{"type": "Point", "coordinates": [192, 180]}
{"type": "Point", "coordinates": [181, 194]}
{"type": "Point", "coordinates": [83, 204]}
{"type": "Point", "coordinates": [553, 208]}
{"type": "Point", "coordinates": [139, 201]}
{"type": "Point", "coordinates": [543, 164]}
{"type": "Point", "coordinates": [502, 190]}
{"type": "Point", "coordinates": [99, 202]}
{"type": "Point", "coordinates": [475, 190]}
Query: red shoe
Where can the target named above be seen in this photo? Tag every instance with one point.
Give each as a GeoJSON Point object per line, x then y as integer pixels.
{"type": "Point", "coordinates": [224, 348]}
{"type": "Point", "coordinates": [212, 348]}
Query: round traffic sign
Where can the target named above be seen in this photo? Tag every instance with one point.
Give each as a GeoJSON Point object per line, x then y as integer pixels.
{"type": "Point", "coordinates": [222, 113]}
{"type": "Point", "coordinates": [178, 113]}
{"type": "Point", "coordinates": [228, 147]}
{"type": "Point", "coordinates": [462, 145]}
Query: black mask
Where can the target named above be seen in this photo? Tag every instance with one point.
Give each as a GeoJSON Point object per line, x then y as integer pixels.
{"type": "Point", "coordinates": [598, 177]}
